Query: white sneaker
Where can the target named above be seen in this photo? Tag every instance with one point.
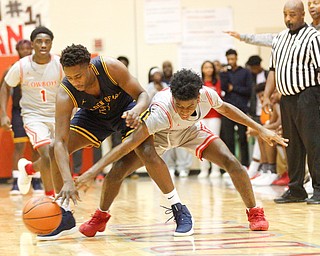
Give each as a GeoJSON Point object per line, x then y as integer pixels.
{"type": "Point", "coordinates": [172, 171]}
{"type": "Point", "coordinates": [183, 174]}
{"type": "Point", "coordinates": [24, 180]}
{"type": "Point", "coordinates": [214, 173]}
{"type": "Point", "coordinates": [265, 179]}
{"type": "Point", "coordinates": [203, 174]}
{"type": "Point", "coordinates": [253, 169]}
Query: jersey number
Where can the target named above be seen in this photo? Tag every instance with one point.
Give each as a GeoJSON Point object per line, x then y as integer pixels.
{"type": "Point", "coordinates": [43, 95]}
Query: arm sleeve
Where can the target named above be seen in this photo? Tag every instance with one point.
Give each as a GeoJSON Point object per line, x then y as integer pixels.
{"type": "Point", "coordinates": [272, 65]}
{"type": "Point", "coordinates": [12, 78]}
{"type": "Point", "coordinates": [258, 39]}
{"type": "Point", "coordinates": [158, 120]}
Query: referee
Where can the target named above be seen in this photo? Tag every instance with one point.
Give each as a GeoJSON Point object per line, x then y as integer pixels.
{"type": "Point", "coordinates": [294, 71]}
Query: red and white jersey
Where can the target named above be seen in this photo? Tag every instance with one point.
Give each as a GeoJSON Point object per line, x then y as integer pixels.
{"type": "Point", "coordinates": [164, 117]}
{"type": "Point", "coordinates": [39, 86]}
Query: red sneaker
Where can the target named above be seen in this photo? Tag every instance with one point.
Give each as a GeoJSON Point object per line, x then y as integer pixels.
{"type": "Point", "coordinates": [96, 224]}
{"type": "Point", "coordinates": [257, 219]}
{"type": "Point", "coordinates": [75, 175]}
{"type": "Point", "coordinates": [100, 177]}
{"type": "Point", "coordinates": [282, 181]}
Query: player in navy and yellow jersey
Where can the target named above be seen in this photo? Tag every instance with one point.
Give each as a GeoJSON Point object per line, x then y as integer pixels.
{"type": "Point", "coordinates": [110, 99]}
{"type": "Point", "coordinates": [99, 115]}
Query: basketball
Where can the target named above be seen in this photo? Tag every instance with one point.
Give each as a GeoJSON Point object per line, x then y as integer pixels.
{"type": "Point", "coordinates": [41, 215]}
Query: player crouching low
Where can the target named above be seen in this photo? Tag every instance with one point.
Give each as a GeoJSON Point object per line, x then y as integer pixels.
{"type": "Point", "coordinates": [174, 122]}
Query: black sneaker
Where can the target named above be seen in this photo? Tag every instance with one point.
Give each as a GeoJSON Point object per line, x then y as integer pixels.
{"type": "Point", "coordinates": [183, 219]}
{"type": "Point", "coordinates": [287, 197]}
{"type": "Point", "coordinates": [66, 227]}
{"type": "Point", "coordinates": [313, 200]}
{"type": "Point", "coordinates": [15, 189]}
{"type": "Point", "coordinates": [36, 185]}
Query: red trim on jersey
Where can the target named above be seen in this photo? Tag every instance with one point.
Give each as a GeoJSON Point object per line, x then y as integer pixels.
{"type": "Point", "coordinates": [206, 143]}
{"type": "Point", "coordinates": [208, 96]}
{"type": "Point", "coordinates": [41, 143]}
{"type": "Point", "coordinates": [31, 133]}
{"type": "Point", "coordinates": [217, 87]}
{"type": "Point", "coordinates": [165, 111]}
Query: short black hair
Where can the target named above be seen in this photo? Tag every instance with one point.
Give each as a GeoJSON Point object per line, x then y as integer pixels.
{"type": "Point", "coordinates": [231, 51]}
{"type": "Point", "coordinates": [41, 30]}
{"type": "Point", "coordinates": [185, 85]}
{"type": "Point", "coordinates": [260, 87]}
{"type": "Point", "coordinates": [22, 42]}
{"type": "Point", "coordinates": [123, 58]}
{"type": "Point", "coordinates": [254, 60]}
{"type": "Point", "coordinates": [74, 55]}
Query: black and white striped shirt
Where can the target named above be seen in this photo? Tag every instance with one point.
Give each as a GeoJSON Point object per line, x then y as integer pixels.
{"type": "Point", "coordinates": [295, 58]}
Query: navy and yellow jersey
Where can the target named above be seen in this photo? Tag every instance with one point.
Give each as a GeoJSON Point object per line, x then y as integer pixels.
{"type": "Point", "coordinates": [113, 99]}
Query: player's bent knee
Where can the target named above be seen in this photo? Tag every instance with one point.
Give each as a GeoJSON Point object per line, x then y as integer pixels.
{"type": "Point", "coordinates": [231, 164]}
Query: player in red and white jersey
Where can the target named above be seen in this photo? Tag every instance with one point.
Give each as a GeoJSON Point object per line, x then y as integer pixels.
{"type": "Point", "coordinates": [174, 122]}
{"type": "Point", "coordinates": [39, 75]}
{"type": "Point", "coordinates": [39, 85]}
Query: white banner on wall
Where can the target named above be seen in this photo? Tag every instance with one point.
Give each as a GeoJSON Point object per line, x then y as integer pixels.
{"type": "Point", "coordinates": [162, 19]}
{"type": "Point", "coordinates": [17, 20]}
{"type": "Point", "coordinates": [203, 37]}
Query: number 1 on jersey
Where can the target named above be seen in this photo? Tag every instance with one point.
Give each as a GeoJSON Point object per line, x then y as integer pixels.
{"type": "Point", "coordinates": [43, 95]}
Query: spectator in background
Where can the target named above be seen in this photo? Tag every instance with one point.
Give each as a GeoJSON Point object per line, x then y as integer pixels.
{"type": "Point", "coordinates": [156, 83]}
{"type": "Point", "coordinates": [268, 171]}
{"type": "Point", "coordinates": [124, 60]}
{"type": "Point", "coordinates": [213, 119]}
{"type": "Point", "coordinates": [20, 138]}
{"type": "Point", "coordinates": [167, 70]}
{"type": "Point", "coordinates": [259, 75]}
{"type": "Point", "coordinates": [177, 159]}
{"type": "Point", "coordinates": [218, 66]}
{"type": "Point", "coordinates": [236, 82]}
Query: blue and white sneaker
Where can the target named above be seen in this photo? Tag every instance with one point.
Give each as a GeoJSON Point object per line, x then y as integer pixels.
{"type": "Point", "coordinates": [183, 218]}
{"type": "Point", "coordinates": [66, 227]}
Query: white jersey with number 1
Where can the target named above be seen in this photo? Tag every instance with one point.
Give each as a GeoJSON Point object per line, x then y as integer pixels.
{"type": "Point", "coordinates": [39, 86]}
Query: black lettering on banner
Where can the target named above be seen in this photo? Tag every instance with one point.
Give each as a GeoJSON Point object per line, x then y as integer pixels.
{"type": "Point", "coordinates": [32, 21]}
{"type": "Point", "coordinates": [14, 7]}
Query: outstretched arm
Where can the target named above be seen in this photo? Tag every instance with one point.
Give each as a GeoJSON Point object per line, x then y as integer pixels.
{"type": "Point", "coordinates": [64, 108]}
{"type": "Point", "coordinates": [255, 39]}
{"type": "Point", "coordinates": [238, 116]}
{"type": "Point", "coordinates": [132, 142]}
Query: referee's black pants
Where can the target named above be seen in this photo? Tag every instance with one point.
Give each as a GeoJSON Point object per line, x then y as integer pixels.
{"type": "Point", "coordinates": [301, 125]}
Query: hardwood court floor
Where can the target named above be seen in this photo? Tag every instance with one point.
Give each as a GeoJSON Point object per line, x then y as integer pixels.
{"type": "Point", "coordinates": [137, 226]}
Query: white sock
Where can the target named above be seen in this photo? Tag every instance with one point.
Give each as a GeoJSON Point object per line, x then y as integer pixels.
{"type": "Point", "coordinates": [36, 175]}
{"type": "Point", "coordinates": [173, 197]}
{"type": "Point", "coordinates": [15, 174]}
{"type": "Point", "coordinates": [64, 206]}
{"type": "Point", "coordinates": [107, 211]}
{"type": "Point", "coordinates": [254, 165]}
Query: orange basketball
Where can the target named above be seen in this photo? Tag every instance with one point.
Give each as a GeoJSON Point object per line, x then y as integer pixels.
{"type": "Point", "coordinates": [41, 215]}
